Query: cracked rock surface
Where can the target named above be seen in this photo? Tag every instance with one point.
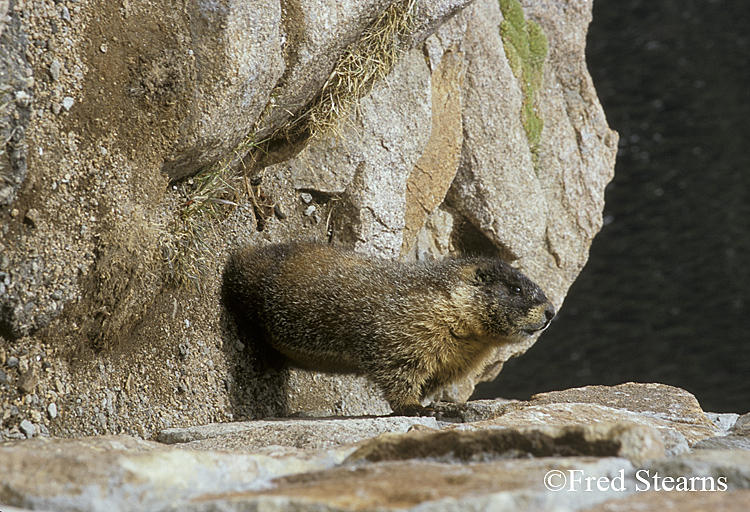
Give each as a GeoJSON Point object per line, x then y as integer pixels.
{"type": "Point", "coordinates": [483, 455]}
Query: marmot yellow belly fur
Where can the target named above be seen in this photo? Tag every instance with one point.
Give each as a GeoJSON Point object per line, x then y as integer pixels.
{"type": "Point", "coordinates": [411, 327]}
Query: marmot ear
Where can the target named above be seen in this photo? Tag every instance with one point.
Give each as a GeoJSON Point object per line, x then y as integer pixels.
{"type": "Point", "coordinates": [482, 275]}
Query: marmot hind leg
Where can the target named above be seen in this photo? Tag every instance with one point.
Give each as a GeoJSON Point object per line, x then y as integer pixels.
{"type": "Point", "coordinates": [402, 393]}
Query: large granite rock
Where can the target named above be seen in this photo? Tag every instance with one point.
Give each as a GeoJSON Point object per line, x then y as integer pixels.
{"type": "Point", "coordinates": [389, 131]}
{"type": "Point", "coordinates": [540, 205]}
{"type": "Point", "coordinates": [237, 50]}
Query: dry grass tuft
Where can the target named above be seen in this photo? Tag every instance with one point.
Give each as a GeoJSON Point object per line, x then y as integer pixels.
{"type": "Point", "coordinates": [369, 60]}
{"type": "Point", "coordinates": [208, 197]}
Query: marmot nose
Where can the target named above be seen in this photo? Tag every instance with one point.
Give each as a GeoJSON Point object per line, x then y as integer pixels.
{"type": "Point", "coordinates": [549, 313]}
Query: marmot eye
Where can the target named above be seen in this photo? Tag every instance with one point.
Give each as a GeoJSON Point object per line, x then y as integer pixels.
{"type": "Point", "coordinates": [515, 290]}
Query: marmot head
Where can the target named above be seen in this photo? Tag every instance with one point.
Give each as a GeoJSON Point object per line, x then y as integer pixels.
{"type": "Point", "coordinates": [513, 304]}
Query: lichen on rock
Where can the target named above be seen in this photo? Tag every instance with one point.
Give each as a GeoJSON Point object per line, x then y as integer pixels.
{"type": "Point", "coordinates": [526, 48]}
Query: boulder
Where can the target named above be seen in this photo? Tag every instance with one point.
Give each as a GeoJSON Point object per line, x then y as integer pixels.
{"type": "Point", "coordinates": [237, 57]}
{"type": "Point", "coordinates": [520, 192]}
{"type": "Point", "coordinates": [389, 131]}
{"type": "Point", "coordinates": [315, 36]}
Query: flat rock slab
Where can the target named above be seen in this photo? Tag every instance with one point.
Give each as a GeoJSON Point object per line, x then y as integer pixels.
{"type": "Point", "coordinates": [297, 433]}
{"type": "Point", "coordinates": [724, 443]}
{"type": "Point", "coordinates": [731, 465]}
{"type": "Point", "coordinates": [674, 434]}
{"type": "Point", "coordinates": [674, 411]}
{"type": "Point", "coordinates": [660, 401]}
{"type": "Point", "coordinates": [731, 501]}
{"type": "Point", "coordinates": [124, 473]}
{"type": "Point", "coordinates": [508, 485]}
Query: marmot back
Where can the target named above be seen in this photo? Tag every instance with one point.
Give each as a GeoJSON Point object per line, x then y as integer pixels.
{"type": "Point", "coordinates": [411, 327]}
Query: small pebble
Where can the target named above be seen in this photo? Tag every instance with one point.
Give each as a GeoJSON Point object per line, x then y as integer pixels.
{"type": "Point", "coordinates": [306, 197]}
{"type": "Point", "coordinates": [184, 351]}
{"type": "Point", "coordinates": [310, 210]}
{"type": "Point", "coordinates": [11, 362]}
{"type": "Point", "coordinates": [54, 69]}
{"type": "Point", "coordinates": [33, 217]}
{"type": "Point", "coordinates": [28, 381]}
{"type": "Point", "coordinates": [68, 102]}
{"type": "Point", "coordinates": [23, 99]}
{"type": "Point", "coordinates": [279, 212]}
{"type": "Point", "coordinates": [28, 429]}
{"type": "Point", "coordinates": [11, 435]}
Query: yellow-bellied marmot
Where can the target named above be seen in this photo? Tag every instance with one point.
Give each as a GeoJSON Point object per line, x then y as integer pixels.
{"type": "Point", "coordinates": [411, 327]}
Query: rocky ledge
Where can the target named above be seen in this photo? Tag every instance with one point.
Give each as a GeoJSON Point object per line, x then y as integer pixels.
{"type": "Point", "coordinates": [627, 447]}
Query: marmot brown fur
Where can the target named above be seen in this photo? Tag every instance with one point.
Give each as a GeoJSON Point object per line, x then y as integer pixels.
{"type": "Point", "coordinates": [411, 327]}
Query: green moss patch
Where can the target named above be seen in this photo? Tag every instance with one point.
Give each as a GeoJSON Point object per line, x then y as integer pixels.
{"type": "Point", "coordinates": [526, 48]}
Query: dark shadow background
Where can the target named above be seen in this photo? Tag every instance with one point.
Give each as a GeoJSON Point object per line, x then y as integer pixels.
{"type": "Point", "coordinates": [665, 296]}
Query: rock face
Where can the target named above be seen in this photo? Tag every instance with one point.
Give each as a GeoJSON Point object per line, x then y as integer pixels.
{"type": "Point", "coordinates": [568, 461]}
{"type": "Point", "coordinates": [237, 62]}
{"type": "Point", "coordinates": [15, 98]}
{"type": "Point", "coordinates": [383, 134]}
{"type": "Point", "coordinates": [144, 141]}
